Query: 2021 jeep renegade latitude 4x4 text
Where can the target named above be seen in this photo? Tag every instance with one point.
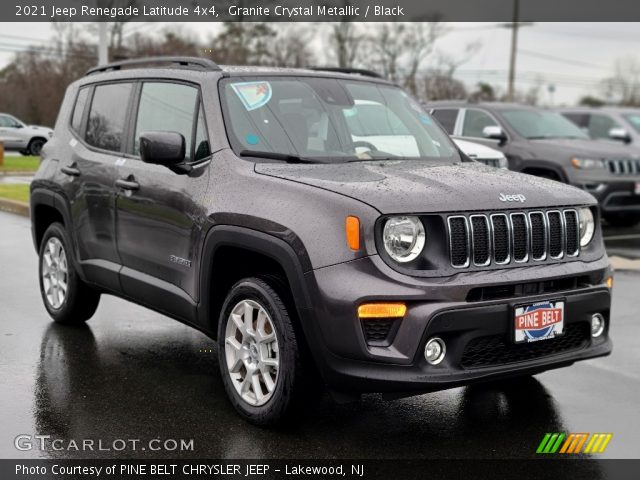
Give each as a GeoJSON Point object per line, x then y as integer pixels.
{"type": "Point", "coordinates": [265, 208]}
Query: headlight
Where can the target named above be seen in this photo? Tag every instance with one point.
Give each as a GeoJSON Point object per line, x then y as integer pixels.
{"type": "Point", "coordinates": [587, 226]}
{"type": "Point", "coordinates": [587, 163]}
{"type": "Point", "coordinates": [404, 238]}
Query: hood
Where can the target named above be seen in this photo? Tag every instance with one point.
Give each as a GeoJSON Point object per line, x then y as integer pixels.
{"type": "Point", "coordinates": [477, 150]}
{"type": "Point", "coordinates": [423, 187]}
{"type": "Point", "coordinates": [586, 148]}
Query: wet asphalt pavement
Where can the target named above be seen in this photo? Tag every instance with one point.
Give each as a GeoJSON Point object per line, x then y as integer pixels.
{"type": "Point", "coordinates": [134, 374]}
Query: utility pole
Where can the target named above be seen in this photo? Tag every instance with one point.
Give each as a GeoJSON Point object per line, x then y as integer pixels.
{"type": "Point", "coordinates": [514, 26]}
{"type": "Point", "coordinates": [103, 48]}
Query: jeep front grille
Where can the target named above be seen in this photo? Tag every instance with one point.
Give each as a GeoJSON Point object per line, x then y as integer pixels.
{"type": "Point", "coordinates": [513, 237]}
{"type": "Point", "coordinates": [624, 167]}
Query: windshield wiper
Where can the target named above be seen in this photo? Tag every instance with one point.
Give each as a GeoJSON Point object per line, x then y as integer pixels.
{"type": "Point", "coordinates": [287, 157]}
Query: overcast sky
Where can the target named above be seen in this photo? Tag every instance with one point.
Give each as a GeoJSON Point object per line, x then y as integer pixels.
{"type": "Point", "coordinates": [573, 57]}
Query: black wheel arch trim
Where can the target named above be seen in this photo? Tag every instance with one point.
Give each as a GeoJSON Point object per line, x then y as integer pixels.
{"type": "Point", "coordinates": [256, 241]}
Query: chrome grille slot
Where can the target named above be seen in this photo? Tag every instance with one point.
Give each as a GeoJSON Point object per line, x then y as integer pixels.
{"type": "Point", "coordinates": [501, 238]}
{"type": "Point", "coordinates": [480, 240]}
{"type": "Point", "coordinates": [556, 234]}
{"type": "Point", "coordinates": [520, 233]}
{"type": "Point", "coordinates": [513, 237]}
{"type": "Point", "coordinates": [459, 241]}
{"type": "Point", "coordinates": [572, 236]}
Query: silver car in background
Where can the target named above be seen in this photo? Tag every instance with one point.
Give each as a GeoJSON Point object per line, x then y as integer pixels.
{"type": "Point", "coordinates": [27, 139]}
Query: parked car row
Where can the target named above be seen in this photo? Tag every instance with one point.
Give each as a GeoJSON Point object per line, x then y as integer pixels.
{"type": "Point", "coordinates": [27, 139]}
{"type": "Point", "coordinates": [547, 144]}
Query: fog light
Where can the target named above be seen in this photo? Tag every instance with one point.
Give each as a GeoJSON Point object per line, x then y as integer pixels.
{"type": "Point", "coordinates": [434, 351]}
{"type": "Point", "coordinates": [597, 325]}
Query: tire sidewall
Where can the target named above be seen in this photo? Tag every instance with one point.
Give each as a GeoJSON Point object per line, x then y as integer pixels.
{"type": "Point", "coordinates": [59, 314]}
{"type": "Point", "coordinates": [35, 141]}
{"type": "Point", "coordinates": [254, 289]}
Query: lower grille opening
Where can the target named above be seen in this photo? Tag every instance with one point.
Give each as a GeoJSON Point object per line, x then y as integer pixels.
{"type": "Point", "coordinates": [498, 292]}
{"type": "Point", "coordinates": [380, 332]}
{"type": "Point", "coordinates": [496, 350]}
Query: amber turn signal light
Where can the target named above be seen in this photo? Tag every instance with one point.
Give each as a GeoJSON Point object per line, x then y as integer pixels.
{"type": "Point", "coordinates": [352, 228]}
{"type": "Point", "coordinates": [609, 282]}
{"type": "Point", "coordinates": [382, 310]}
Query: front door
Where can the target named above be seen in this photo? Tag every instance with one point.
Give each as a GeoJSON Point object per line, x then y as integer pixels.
{"type": "Point", "coordinates": [160, 216]}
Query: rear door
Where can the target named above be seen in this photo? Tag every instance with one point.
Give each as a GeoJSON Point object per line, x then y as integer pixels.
{"type": "Point", "coordinates": [160, 215]}
{"type": "Point", "coordinates": [98, 125]}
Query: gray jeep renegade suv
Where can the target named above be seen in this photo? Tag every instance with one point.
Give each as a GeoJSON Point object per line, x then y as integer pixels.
{"type": "Point", "coordinates": [263, 207]}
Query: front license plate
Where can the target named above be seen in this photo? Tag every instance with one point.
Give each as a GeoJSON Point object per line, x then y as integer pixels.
{"type": "Point", "coordinates": [637, 190]}
{"type": "Point", "coordinates": [538, 321]}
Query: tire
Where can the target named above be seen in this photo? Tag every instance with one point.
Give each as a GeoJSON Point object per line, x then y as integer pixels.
{"type": "Point", "coordinates": [35, 146]}
{"type": "Point", "coordinates": [281, 390]}
{"type": "Point", "coordinates": [74, 304]}
{"type": "Point", "coordinates": [622, 219]}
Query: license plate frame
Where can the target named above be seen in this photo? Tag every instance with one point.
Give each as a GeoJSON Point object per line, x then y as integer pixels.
{"type": "Point", "coordinates": [538, 321]}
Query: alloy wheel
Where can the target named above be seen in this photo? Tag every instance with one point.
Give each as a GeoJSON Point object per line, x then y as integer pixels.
{"type": "Point", "coordinates": [55, 273]}
{"type": "Point", "coordinates": [252, 353]}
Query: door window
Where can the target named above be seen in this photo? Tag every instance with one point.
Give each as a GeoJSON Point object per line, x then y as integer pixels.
{"type": "Point", "coordinates": [168, 107]}
{"type": "Point", "coordinates": [446, 117]}
{"type": "Point", "coordinates": [599, 126]}
{"type": "Point", "coordinates": [107, 116]}
{"type": "Point", "coordinates": [474, 123]}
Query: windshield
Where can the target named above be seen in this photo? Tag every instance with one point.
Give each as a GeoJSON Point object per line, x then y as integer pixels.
{"type": "Point", "coordinates": [634, 120]}
{"type": "Point", "coordinates": [533, 124]}
{"type": "Point", "coordinates": [329, 120]}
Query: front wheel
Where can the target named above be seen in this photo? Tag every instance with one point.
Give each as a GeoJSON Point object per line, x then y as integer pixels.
{"type": "Point", "coordinates": [66, 297]}
{"type": "Point", "coordinates": [259, 353]}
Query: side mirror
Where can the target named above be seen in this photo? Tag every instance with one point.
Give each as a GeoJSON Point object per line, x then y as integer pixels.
{"type": "Point", "coordinates": [620, 134]}
{"type": "Point", "coordinates": [162, 148]}
{"type": "Point", "coordinates": [18, 125]}
{"type": "Point", "coordinates": [494, 132]}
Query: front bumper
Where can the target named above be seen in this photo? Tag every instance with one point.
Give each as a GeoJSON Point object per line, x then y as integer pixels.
{"type": "Point", "coordinates": [614, 197]}
{"type": "Point", "coordinates": [477, 333]}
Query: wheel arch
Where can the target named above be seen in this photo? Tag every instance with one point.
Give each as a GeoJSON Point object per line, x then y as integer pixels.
{"type": "Point", "coordinates": [539, 167]}
{"type": "Point", "coordinates": [46, 208]}
{"type": "Point", "coordinates": [250, 253]}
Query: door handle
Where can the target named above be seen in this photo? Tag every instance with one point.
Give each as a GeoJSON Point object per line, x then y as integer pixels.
{"type": "Point", "coordinates": [128, 184]}
{"type": "Point", "coordinates": [71, 170]}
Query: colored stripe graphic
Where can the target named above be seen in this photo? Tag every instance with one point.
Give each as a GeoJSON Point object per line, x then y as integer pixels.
{"type": "Point", "coordinates": [573, 443]}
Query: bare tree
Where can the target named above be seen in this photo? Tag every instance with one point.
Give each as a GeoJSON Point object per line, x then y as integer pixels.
{"type": "Point", "coordinates": [624, 85]}
{"type": "Point", "coordinates": [345, 40]}
{"type": "Point", "coordinates": [292, 47]}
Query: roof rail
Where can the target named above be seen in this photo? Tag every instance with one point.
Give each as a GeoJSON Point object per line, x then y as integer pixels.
{"type": "Point", "coordinates": [356, 71]}
{"type": "Point", "coordinates": [202, 63]}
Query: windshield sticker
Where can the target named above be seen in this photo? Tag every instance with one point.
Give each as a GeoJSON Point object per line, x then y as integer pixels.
{"type": "Point", "coordinates": [350, 112]}
{"type": "Point", "coordinates": [252, 139]}
{"type": "Point", "coordinates": [253, 94]}
{"type": "Point", "coordinates": [424, 118]}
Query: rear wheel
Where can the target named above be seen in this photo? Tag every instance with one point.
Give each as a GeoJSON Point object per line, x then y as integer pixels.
{"type": "Point", "coordinates": [259, 353]}
{"type": "Point", "coordinates": [66, 297]}
{"type": "Point", "coordinates": [622, 219]}
{"type": "Point", "coordinates": [35, 146]}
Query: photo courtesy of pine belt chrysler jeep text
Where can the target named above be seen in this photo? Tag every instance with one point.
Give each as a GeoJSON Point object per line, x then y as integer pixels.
{"type": "Point", "coordinates": [267, 209]}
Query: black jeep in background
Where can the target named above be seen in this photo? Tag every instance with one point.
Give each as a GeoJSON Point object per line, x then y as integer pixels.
{"type": "Point", "coordinates": [264, 208]}
{"type": "Point", "coordinates": [544, 143]}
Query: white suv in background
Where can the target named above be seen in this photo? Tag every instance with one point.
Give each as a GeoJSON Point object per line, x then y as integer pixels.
{"type": "Point", "coordinates": [16, 135]}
